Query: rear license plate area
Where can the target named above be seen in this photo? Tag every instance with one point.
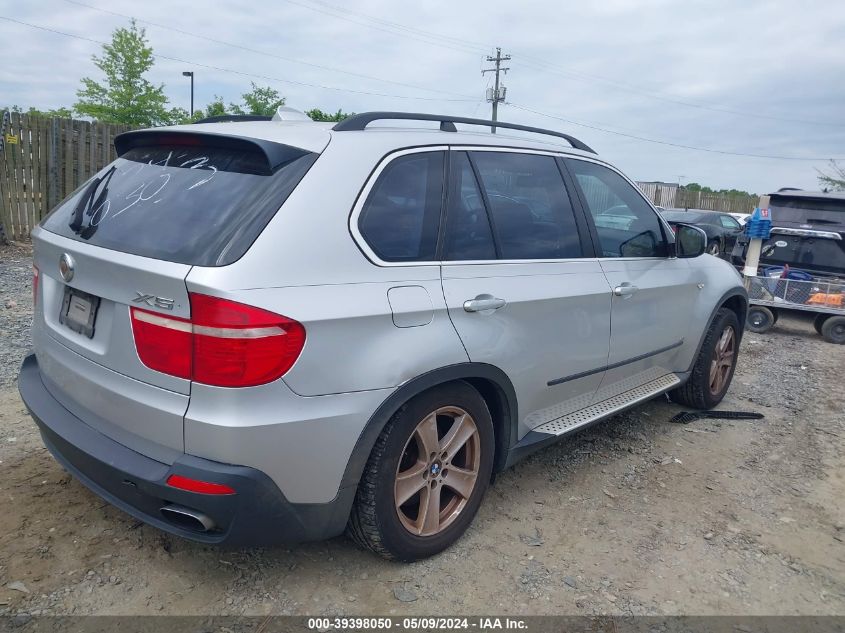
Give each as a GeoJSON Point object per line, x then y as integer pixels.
{"type": "Point", "coordinates": [79, 311]}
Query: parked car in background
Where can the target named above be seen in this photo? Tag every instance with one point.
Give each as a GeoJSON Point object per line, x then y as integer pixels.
{"type": "Point", "coordinates": [808, 232]}
{"type": "Point", "coordinates": [722, 229]}
{"type": "Point", "coordinates": [802, 264]}
{"type": "Point", "coordinates": [742, 218]}
{"type": "Point", "coordinates": [266, 331]}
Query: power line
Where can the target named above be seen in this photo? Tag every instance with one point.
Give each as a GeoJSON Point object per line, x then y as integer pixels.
{"type": "Point", "coordinates": [668, 143]}
{"type": "Point", "coordinates": [514, 105]}
{"type": "Point", "coordinates": [409, 32]}
{"type": "Point", "coordinates": [260, 52]}
{"type": "Point", "coordinates": [539, 64]}
{"type": "Point", "coordinates": [616, 85]}
{"type": "Point", "coordinates": [238, 72]}
{"type": "Point", "coordinates": [480, 46]}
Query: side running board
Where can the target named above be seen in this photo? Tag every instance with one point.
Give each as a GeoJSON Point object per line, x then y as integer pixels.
{"type": "Point", "coordinates": [608, 407]}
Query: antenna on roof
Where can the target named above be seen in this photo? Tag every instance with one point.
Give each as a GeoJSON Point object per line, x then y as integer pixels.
{"type": "Point", "coordinates": [286, 113]}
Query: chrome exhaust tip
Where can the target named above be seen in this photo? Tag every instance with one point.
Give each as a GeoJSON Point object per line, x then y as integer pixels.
{"type": "Point", "coordinates": [187, 518]}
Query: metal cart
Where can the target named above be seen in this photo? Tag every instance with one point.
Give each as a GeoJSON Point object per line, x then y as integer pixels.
{"type": "Point", "coordinates": [826, 297]}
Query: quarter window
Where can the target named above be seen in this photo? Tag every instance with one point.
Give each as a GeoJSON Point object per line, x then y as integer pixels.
{"type": "Point", "coordinates": [401, 216]}
{"type": "Point", "coordinates": [530, 211]}
{"type": "Point", "coordinates": [626, 225]}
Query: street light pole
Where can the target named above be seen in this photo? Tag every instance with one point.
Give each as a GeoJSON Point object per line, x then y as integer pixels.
{"type": "Point", "coordinates": [190, 73]}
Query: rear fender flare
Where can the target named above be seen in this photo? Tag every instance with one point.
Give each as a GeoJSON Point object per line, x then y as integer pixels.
{"type": "Point", "coordinates": [461, 371]}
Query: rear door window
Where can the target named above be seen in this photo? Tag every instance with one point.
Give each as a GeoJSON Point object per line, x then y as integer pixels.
{"type": "Point", "coordinates": [184, 200]}
{"type": "Point", "coordinates": [401, 216]}
{"type": "Point", "coordinates": [530, 210]}
{"type": "Point", "coordinates": [468, 233]}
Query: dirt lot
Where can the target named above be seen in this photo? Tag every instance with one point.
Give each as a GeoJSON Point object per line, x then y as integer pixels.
{"type": "Point", "coordinates": [633, 516]}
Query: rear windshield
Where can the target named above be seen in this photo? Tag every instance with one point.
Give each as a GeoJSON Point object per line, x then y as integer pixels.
{"type": "Point", "coordinates": [681, 216]}
{"type": "Point", "coordinates": [815, 212]}
{"type": "Point", "coordinates": [192, 204]}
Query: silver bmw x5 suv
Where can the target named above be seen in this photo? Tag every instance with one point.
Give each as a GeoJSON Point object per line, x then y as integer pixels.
{"type": "Point", "coordinates": [264, 331]}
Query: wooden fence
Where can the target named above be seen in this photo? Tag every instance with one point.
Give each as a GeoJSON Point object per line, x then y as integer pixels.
{"type": "Point", "coordinates": [671, 196]}
{"type": "Point", "coordinates": [42, 161]}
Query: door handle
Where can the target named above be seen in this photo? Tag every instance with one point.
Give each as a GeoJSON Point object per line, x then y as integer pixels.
{"type": "Point", "coordinates": [484, 302]}
{"type": "Point", "coordinates": [625, 290]}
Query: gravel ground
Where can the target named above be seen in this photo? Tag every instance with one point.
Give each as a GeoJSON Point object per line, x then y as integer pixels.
{"type": "Point", "coordinates": [633, 516]}
{"type": "Point", "coordinates": [15, 309]}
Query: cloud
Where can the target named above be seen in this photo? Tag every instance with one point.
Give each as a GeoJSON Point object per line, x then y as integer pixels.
{"type": "Point", "coordinates": [617, 64]}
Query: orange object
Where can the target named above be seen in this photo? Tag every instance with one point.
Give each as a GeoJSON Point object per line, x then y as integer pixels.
{"type": "Point", "coordinates": [824, 299]}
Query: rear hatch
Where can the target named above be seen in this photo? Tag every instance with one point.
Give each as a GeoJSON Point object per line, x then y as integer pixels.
{"type": "Point", "coordinates": [808, 232]}
{"type": "Point", "coordinates": [128, 238]}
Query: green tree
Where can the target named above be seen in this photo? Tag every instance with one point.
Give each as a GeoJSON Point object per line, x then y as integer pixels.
{"type": "Point", "coordinates": [260, 100]}
{"type": "Point", "coordinates": [125, 95]}
{"type": "Point", "coordinates": [215, 108]}
{"type": "Point", "coordinates": [318, 115]}
{"type": "Point", "coordinates": [61, 113]}
{"type": "Point", "coordinates": [835, 179]}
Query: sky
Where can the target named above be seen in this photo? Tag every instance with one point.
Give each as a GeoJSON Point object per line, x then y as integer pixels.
{"type": "Point", "coordinates": [761, 78]}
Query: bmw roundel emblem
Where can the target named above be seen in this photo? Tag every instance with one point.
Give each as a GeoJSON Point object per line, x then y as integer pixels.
{"type": "Point", "coordinates": [66, 267]}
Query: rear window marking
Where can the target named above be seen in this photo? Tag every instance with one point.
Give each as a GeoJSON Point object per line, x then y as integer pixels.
{"type": "Point", "coordinates": [196, 205]}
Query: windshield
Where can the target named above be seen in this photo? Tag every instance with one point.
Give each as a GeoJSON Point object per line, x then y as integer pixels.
{"type": "Point", "coordinates": [191, 204]}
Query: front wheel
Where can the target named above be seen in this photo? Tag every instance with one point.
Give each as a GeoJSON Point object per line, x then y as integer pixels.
{"type": "Point", "coordinates": [714, 368]}
{"type": "Point", "coordinates": [426, 475]}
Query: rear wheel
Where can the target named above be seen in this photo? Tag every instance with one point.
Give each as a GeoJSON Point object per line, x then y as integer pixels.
{"type": "Point", "coordinates": [760, 319]}
{"type": "Point", "coordinates": [714, 368]}
{"type": "Point", "coordinates": [819, 322]}
{"type": "Point", "coordinates": [714, 248]}
{"type": "Point", "coordinates": [833, 330]}
{"type": "Point", "coordinates": [426, 476]}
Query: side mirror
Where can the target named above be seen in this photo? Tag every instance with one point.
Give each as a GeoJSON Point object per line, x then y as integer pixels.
{"type": "Point", "coordinates": [690, 241]}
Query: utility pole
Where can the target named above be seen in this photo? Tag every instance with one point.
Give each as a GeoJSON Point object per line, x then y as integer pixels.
{"type": "Point", "coordinates": [496, 94]}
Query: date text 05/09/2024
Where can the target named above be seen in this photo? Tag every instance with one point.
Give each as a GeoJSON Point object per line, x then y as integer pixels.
{"type": "Point", "coordinates": [423, 623]}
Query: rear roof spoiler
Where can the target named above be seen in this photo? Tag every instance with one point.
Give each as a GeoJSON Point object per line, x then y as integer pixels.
{"type": "Point", "coordinates": [223, 118]}
{"type": "Point", "coordinates": [276, 154]}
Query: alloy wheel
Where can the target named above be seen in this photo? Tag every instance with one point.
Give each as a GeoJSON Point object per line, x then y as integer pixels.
{"type": "Point", "coordinates": [722, 360]}
{"type": "Point", "coordinates": [437, 471]}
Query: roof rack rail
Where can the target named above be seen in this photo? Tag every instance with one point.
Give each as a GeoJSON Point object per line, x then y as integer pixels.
{"type": "Point", "coordinates": [222, 118]}
{"type": "Point", "coordinates": [358, 122]}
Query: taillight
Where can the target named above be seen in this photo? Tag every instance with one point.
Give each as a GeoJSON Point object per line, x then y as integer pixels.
{"type": "Point", "coordinates": [225, 343]}
{"type": "Point", "coordinates": [163, 343]}
{"type": "Point", "coordinates": [34, 287]}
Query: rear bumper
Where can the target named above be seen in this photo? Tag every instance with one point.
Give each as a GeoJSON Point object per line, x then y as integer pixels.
{"type": "Point", "coordinates": [257, 514]}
